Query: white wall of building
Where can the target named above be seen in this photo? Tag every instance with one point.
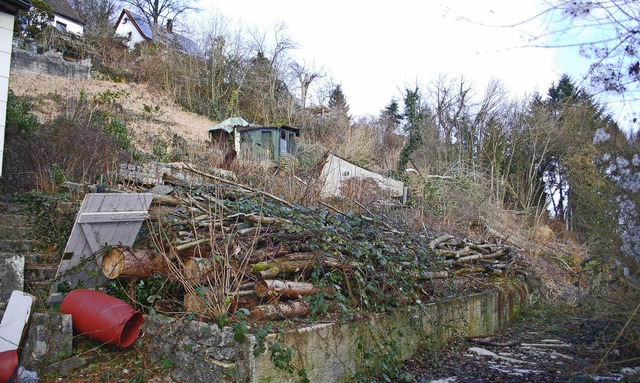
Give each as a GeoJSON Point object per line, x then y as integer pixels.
{"type": "Point", "coordinates": [71, 26]}
{"type": "Point", "coordinates": [128, 30]}
{"type": "Point", "coordinates": [6, 37]}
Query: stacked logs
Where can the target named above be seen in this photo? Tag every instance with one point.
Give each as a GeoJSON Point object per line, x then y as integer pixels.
{"type": "Point", "coordinates": [467, 257]}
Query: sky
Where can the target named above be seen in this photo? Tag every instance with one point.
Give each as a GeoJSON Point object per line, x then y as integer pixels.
{"type": "Point", "coordinates": [376, 49]}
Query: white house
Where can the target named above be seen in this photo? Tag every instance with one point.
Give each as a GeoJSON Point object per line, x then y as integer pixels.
{"type": "Point", "coordinates": [136, 29]}
{"type": "Point", "coordinates": [65, 18]}
{"type": "Point", "coordinates": [8, 9]}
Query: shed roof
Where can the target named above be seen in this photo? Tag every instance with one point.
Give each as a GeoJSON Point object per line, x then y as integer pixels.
{"type": "Point", "coordinates": [254, 127]}
{"type": "Point", "coordinates": [228, 124]}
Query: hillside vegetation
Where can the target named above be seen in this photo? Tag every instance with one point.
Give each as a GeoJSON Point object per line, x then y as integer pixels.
{"type": "Point", "coordinates": [553, 175]}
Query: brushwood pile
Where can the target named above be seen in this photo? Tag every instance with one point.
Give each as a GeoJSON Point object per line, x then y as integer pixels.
{"type": "Point", "coordinates": [219, 248]}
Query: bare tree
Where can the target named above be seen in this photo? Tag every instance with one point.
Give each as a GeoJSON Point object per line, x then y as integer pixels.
{"type": "Point", "coordinates": [305, 76]}
{"type": "Point", "coordinates": [609, 35]}
{"type": "Point", "coordinates": [97, 14]}
{"type": "Point", "coordinates": [157, 11]}
{"type": "Point", "coordinates": [265, 93]}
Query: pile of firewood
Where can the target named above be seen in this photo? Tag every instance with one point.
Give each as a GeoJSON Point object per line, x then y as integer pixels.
{"type": "Point", "coordinates": [466, 257]}
{"type": "Point", "coordinates": [233, 247]}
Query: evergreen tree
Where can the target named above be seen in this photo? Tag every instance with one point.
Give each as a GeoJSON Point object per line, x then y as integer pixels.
{"type": "Point", "coordinates": [579, 192]}
{"type": "Point", "coordinates": [337, 100]}
{"type": "Point", "coordinates": [391, 113]}
{"type": "Point", "coordinates": [414, 118]}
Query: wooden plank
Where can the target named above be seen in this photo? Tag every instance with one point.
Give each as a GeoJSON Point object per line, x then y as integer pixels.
{"type": "Point", "coordinates": [15, 320]}
{"type": "Point", "coordinates": [109, 216]}
{"type": "Point", "coordinates": [90, 237]}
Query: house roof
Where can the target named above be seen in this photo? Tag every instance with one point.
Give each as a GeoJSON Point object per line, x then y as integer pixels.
{"type": "Point", "coordinates": [13, 6]}
{"type": "Point", "coordinates": [141, 23]}
{"type": "Point", "coordinates": [64, 9]}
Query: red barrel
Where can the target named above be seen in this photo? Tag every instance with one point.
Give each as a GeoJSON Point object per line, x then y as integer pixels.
{"type": "Point", "coordinates": [102, 317]}
{"type": "Point", "coordinates": [8, 365]}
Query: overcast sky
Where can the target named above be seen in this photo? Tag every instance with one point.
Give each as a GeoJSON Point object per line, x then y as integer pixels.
{"type": "Point", "coordinates": [376, 49]}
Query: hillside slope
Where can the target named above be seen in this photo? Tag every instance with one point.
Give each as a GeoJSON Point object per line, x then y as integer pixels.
{"type": "Point", "coordinates": [169, 119]}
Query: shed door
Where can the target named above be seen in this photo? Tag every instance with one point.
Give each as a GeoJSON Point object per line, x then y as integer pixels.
{"type": "Point", "coordinates": [267, 145]}
{"type": "Point", "coordinates": [283, 142]}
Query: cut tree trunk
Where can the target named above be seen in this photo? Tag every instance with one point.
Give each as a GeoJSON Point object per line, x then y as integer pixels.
{"type": "Point", "coordinates": [269, 252]}
{"type": "Point", "coordinates": [272, 270]}
{"type": "Point", "coordinates": [168, 199]}
{"type": "Point", "coordinates": [198, 248]}
{"type": "Point", "coordinates": [196, 270]}
{"type": "Point", "coordinates": [121, 262]}
{"type": "Point", "coordinates": [288, 289]}
{"type": "Point", "coordinates": [281, 310]}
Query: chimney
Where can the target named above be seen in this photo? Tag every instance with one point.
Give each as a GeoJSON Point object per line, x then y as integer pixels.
{"type": "Point", "coordinates": [170, 26]}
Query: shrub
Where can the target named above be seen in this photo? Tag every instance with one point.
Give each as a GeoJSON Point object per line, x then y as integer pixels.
{"type": "Point", "coordinates": [81, 144]}
{"type": "Point", "coordinates": [18, 116]}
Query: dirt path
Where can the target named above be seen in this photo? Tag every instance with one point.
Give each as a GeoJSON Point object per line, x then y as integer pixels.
{"type": "Point", "coordinates": [528, 351]}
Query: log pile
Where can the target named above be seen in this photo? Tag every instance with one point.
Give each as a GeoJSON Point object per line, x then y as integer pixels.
{"type": "Point", "coordinates": [466, 257]}
{"type": "Point", "coordinates": [231, 246]}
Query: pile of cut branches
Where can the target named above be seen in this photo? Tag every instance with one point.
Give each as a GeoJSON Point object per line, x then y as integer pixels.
{"type": "Point", "coordinates": [232, 247]}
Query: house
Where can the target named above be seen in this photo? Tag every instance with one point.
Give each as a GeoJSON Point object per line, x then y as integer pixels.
{"type": "Point", "coordinates": [261, 142]}
{"type": "Point", "coordinates": [8, 10]}
{"type": "Point", "coordinates": [65, 18]}
{"type": "Point", "coordinates": [137, 30]}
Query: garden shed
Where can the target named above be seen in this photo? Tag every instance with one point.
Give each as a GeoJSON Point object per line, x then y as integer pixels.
{"type": "Point", "coordinates": [265, 143]}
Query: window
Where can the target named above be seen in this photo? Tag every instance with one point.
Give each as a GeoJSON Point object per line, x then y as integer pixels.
{"type": "Point", "coordinates": [125, 20]}
{"type": "Point", "coordinates": [61, 26]}
{"type": "Point", "coordinates": [129, 36]}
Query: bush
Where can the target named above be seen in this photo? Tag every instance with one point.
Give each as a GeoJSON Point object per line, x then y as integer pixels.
{"type": "Point", "coordinates": [18, 116]}
{"type": "Point", "coordinates": [81, 144]}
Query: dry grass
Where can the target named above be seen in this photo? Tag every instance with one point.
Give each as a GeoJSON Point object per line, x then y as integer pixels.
{"type": "Point", "coordinates": [356, 145]}
{"type": "Point", "coordinates": [145, 127]}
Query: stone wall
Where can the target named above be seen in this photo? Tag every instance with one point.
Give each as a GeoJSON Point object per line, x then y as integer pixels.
{"type": "Point", "coordinates": [328, 352]}
{"type": "Point", "coordinates": [47, 343]}
{"type": "Point", "coordinates": [11, 275]}
{"type": "Point", "coordinates": [48, 63]}
{"type": "Point", "coordinates": [198, 351]}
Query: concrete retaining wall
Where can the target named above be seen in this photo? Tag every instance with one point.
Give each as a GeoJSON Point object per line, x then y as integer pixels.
{"type": "Point", "coordinates": [335, 352]}
{"type": "Point", "coordinates": [51, 64]}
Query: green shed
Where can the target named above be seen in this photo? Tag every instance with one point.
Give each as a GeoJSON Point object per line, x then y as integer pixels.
{"type": "Point", "coordinates": [263, 143]}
